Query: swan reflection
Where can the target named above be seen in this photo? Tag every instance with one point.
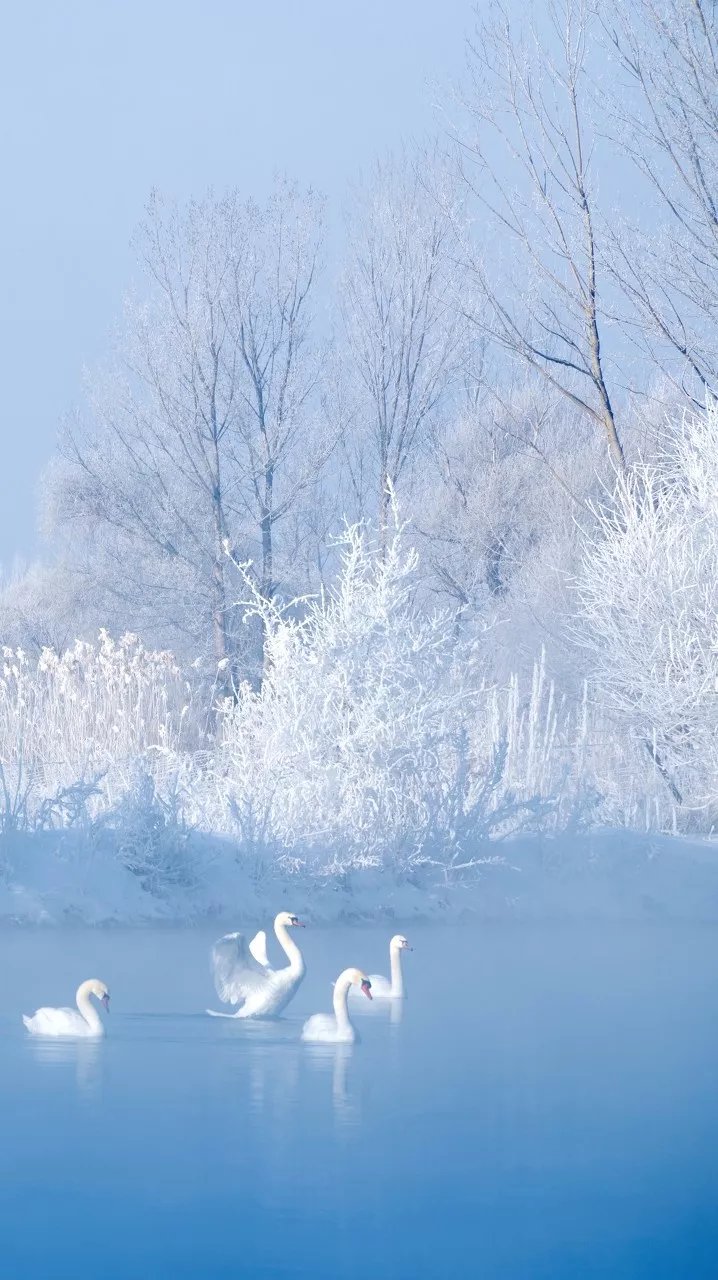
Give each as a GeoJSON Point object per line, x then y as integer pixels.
{"type": "Point", "coordinates": [333, 1060]}
{"type": "Point", "coordinates": [344, 1108]}
{"type": "Point", "coordinates": [85, 1056]}
{"type": "Point", "coordinates": [273, 1078]}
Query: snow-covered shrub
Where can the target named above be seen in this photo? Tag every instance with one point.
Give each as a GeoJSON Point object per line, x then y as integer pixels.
{"type": "Point", "coordinates": [373, 740]}
{"type": "Point", "coordinates": [567, 749]}
{"type": "Point", "coordinates": [152, 840]}
{"type": "Point", "coordinates": [649, 598]}
{"type": "Point", "coordinates": [72, 721]}
{"type": "Point", "coordinates": [376, 742]}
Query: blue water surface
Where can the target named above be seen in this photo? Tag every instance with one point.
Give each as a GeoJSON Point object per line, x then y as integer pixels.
{"type": "Point", "coordinates": [545, 1105]}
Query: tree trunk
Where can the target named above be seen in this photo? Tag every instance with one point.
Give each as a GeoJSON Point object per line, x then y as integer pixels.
{"type": "Point", "coordinates": [383, 510]}
{"type": "Point", "coordinates": [220, 649]}
{"type": "Point", "coordinates": [267, 578]}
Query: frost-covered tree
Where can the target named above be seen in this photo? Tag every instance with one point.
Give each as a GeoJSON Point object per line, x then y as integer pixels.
{"type": "Point", "coordinates": [44, 607]}
{"type": "Point", "coordinates": [510, 467]}
{"type": "Point", "coordinates": [666, 119]}
{"type": "Point", "coordinates": [649, 599]}
{"type": "Point", "coordinates": [203, 433]}
{"type": "Point", "coordinates": [527, 157]}
{"type": "Point", "coordinates": [405, 333]}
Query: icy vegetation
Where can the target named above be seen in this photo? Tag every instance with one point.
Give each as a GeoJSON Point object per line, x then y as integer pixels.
{"type": "Point", "coordinates": [376, 768]}
{"type": "Point", "coordinates": [500, 383]}
{"type": "Point", "coordinates": [649, 595]}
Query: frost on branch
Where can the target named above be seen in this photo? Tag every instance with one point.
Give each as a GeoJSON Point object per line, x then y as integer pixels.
{"type": "Point", "coordinates": [649, 594]}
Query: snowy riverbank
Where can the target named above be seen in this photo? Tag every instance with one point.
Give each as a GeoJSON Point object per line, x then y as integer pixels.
{"type": "Point", "coordinates": [54, 878]}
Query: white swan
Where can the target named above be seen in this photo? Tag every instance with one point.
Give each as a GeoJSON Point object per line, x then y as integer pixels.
{"type": "Point", "coordinates": [391, 989]}
{"type": "Point", "coordinates": [325, 1028]}
{"type": "Point", "coordinates": [83, 1021]}
{"type": "Point", "coordinates": [243, 976]}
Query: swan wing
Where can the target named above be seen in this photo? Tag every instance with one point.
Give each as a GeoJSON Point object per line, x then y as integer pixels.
{"type": "Point", "coordinates": [235, 971]}
{"type": "Point", "coordinates": [56, 1022]}
{"type": "Point", "coordinates": [321, 1028]}
{"type": "Point", "coordinates": [258, 948]}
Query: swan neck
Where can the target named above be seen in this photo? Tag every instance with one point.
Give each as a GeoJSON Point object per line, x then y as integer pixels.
{"type": "Point", "coordinates": [88, 1010]}
{"type": "Point", "coordinates": [290, 948]}
{"type": "Point", "coordinates": [341, 1011]}
{"type": "Point", "coordinates": [397, 977]}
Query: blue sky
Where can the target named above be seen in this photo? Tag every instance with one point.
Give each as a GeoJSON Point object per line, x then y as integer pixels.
{"type": "Point", "coordinates": [99, 102]}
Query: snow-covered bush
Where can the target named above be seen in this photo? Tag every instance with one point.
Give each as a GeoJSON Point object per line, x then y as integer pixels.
{"type": "Point", "coordinates": [151, 838]}
{"type": "Point", "coordinates": [649, 598]}
{"type": "Point", "coordinates": [373, 739]}
{"type": "Point", "coordinates": [70, 721]}
{"type": "Point", "coordinates": [375, 743]}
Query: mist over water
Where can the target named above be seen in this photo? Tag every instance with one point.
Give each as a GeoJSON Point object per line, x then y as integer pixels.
{"type": "Point", "coordinates": [543, 1106]}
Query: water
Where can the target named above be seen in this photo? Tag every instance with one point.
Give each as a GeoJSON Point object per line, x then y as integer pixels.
{"type": "Point", "coordinates": [545, 1107]}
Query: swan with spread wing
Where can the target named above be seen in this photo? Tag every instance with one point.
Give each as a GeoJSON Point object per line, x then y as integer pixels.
{"type": "Point", "coordinates": [243, 975]}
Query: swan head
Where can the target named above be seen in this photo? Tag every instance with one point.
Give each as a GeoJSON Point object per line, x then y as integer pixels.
{"type": "Point", "coordinates": [289, 920]}
{"type": "Point", "coordinates": [93, 987]}
{"type": "Point", "coordinates": [400, 943]}
{"type": "Point", "coordinates": [359, 979]}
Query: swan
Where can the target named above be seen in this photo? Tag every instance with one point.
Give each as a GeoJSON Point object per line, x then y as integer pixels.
{"type": "Point", "coordinates": [83, 1021]}
{"type": "Point", "coordinates": [392, 989]}
{"type": "Point", "coordinates": [242, 973]}
{"type": "Point", "coordinates": [323, 1028]}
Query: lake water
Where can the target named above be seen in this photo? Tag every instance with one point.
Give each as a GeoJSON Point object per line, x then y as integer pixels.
{"type": "Point", "coordinates": [547, 1106]}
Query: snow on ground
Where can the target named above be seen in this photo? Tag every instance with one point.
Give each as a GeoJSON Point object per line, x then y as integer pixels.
{"type": "Point", "coordinates": [54, 878]}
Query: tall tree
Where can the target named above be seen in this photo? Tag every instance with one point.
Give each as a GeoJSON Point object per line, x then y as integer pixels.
{"type": "Point", "coordinates": [204, 435]}
{"type": "Point", "coordinates": [667, 122]}
{"type": "Point", "coordinates": [405, 334]}
{"type": "Point", "coordinates": [527, 159]}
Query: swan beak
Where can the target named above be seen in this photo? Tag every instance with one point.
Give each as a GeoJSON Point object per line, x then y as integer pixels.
{"type": "Point", "coordinates": [299, 924]}
{"type": "Point", "coordinates": [366, 988]}
{"type": "Point", "coordinates": [106, 1002]}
